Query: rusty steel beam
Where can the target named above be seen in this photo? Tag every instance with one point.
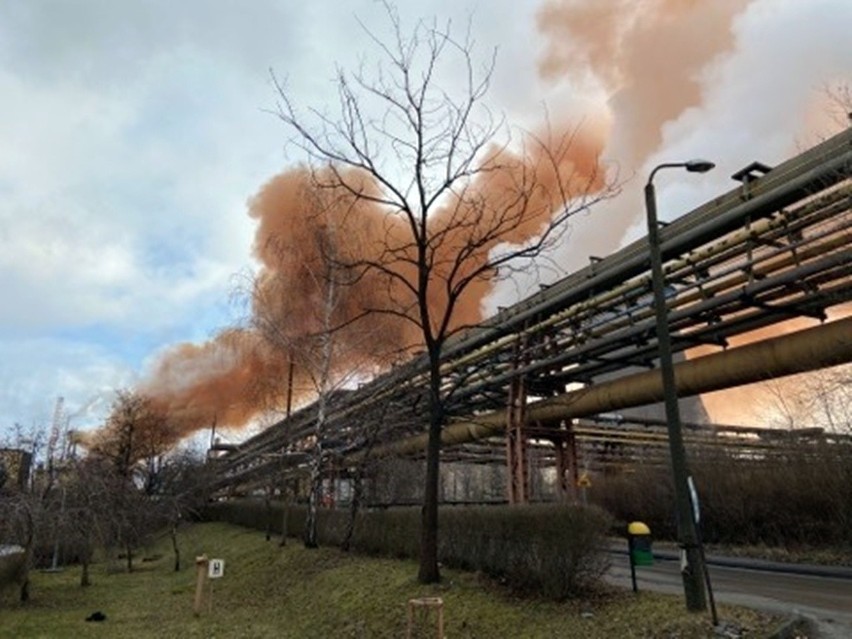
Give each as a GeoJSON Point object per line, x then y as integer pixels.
{"type": "Point", "coordinates": [810, 349]}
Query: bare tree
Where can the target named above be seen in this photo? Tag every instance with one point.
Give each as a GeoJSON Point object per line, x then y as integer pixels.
{"type": "Point", "coordinates": [22, 518]}
{"type": "Point", "coordinates": [129, 452]}
{"type": "Point", "coordinates": [88, 503]}
{"type": "Point", "coordinates": [182, 490]}
{"type": "Point", "coordinates": [327, 364]}
{"type": "Point", "coordinates": [464, 202]}
{"type": "Point", "coordinates": [135, 439]}
{"type": "Point", "coordinates": [821, 399]}
{"type": "Point", "coordinates": [29, 504]}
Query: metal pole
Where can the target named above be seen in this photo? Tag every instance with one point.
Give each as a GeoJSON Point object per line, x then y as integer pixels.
{"type": "Point", "coordinates": [692, 566]}
{"type": "Point", "coordinates": [290, 369]}
{"type": "Point", "coordinates": [713, 613]}
{"type": "Point", "coordinates": [632, 564]}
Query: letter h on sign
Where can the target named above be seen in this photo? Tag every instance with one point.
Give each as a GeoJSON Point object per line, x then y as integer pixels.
{"type": "Point", "coordinates": [216, 568]}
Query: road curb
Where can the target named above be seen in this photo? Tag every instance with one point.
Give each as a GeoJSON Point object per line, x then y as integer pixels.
{"type": "Point", "coordinates": [807, 570]}
{"type": "Point", "coordinates": [789, 629]}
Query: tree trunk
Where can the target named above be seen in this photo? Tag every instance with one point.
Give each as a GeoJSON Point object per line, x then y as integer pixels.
{"type": "Point", "coordinates": [285, 515]}
{"type": "Point", "coordinates": [267, 501]}
{"type": "Point", "coordinates": [353, 511]}
{"type": "Point", "coordinates": [316, 484]}
{"type": "Point", "coordinates": [85, 580]}
{"type": "Point", "coordinates": [175, 547]}
{"type": "Point", "coordinates": [25, 589]}
{"type": "Point", "coordinates": [129, 555]}
{"type": "Point", "coordinates": [85, 559]}
{"type": "Point", "coordinates": [429, 572]}
{"type": "Point", "coordinates": [29, 546]}
{"type": "Point", "coordinates": [323, 390]}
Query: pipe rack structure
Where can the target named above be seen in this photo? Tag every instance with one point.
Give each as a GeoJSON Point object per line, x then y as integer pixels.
{"type": "Point", "coordinates": [774, 248]}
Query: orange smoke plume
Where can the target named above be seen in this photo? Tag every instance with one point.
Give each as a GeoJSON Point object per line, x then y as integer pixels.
{"type": "Point", "coordinates": [647, 55]}
{"type": "Point", "coordinates": [740, 405]}
{"type": "Point", "coordinates": [306, 232]}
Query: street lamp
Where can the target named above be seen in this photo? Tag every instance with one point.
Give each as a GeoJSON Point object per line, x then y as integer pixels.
{"type": "Point", "coordinates": [692, 560]}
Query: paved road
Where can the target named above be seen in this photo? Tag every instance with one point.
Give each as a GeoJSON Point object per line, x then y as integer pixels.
{"type": "Point", "coordinates": [826, 601]}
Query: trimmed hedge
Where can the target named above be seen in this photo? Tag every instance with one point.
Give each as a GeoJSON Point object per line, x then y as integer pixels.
{"type": "Point", "coordinates": [551, 549]}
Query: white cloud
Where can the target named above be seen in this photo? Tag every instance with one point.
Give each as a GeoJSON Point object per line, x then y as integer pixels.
{"type": "Point", "coordinates": [36, 371]}
{"type": "Point", "coordinates": [755, 98]}
{"type": "Point", "coordinates": [133, 134]}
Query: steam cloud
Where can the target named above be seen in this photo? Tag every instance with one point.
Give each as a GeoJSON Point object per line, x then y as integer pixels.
{"type": "Point", "coordinates": [652, 60]}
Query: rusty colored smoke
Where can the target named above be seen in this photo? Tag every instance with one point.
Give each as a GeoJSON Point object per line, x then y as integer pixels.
{"type": "Point", "coordinates": [743, 404]}
{"type": "Point", "coordinates": [308, 234]}
{"type": "Point", "coordinates": [647, 55]}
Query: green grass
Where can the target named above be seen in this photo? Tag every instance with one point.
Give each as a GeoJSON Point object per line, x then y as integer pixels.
{"type": "Point", "coordinates": [269, 591]}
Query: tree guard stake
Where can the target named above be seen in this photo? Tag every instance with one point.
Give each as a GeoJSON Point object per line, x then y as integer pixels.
{"type": "Point", "coordinates": [200, 579]}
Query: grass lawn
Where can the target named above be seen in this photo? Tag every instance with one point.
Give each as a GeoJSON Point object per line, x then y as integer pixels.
{"type": "Point", "coordinates": [269, 591]}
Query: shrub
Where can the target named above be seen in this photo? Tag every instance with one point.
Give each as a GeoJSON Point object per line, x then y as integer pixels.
{"type": "Point", "coordinates": [799, 499]}
{"type": "Point", "coordinates": [555, 550]}
{"type": "Point", "coordinates": [13, 566]}
{"type": "Point", "coordinates": [552, 549]}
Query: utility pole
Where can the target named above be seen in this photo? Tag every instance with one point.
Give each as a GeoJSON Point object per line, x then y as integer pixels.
{"type": "Point", "coordinates": [692, 560]}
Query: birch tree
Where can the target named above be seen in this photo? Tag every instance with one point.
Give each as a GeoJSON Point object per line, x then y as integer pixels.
{"type": "Point", "coordinates": [325, 362]}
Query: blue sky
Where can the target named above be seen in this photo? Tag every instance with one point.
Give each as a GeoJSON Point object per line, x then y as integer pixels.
{"type": "Point", "coordinates": [133, 133]}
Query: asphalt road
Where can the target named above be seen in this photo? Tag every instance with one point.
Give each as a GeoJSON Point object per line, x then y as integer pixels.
{"type": "Point", "coordinates": [825, 600]}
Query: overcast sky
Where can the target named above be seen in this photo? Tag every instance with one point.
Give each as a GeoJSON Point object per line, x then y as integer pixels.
{"type": "Point", "coordinates": [133, 133]}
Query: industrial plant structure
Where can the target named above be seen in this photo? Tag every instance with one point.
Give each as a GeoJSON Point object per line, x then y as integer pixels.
{"type": "Point", "coordinates": [550, 381]}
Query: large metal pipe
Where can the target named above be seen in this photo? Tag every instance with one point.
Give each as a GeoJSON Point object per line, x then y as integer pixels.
{"type": "Point", "coordinates": [595, 288]}
{"type": "Point", "coordinates": [810, 349]}
{"type": "Point", "coordinates": [818, 168]}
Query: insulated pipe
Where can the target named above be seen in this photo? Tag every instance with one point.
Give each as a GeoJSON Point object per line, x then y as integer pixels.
{"type": "Point", "coordinates": [816, 169]}
{"type": "Point", "coordinates": [754, 232]}
{"type": "Point", "coordinates": [811, 349]}
{"type": "Point", "coordinates": [765, 266]}
{"type": "Point", "coordinates": [644, 324]}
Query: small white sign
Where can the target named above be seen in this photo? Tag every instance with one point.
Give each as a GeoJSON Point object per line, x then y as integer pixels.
{"type": "Point", "coordinates": [216, 568]}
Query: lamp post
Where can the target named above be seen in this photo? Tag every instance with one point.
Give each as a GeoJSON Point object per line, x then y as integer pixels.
{"type": "Point", "coordinates": [692, 564]}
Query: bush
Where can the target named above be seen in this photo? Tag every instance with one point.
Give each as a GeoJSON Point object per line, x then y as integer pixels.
{"type": "Point", "coordinates": [552, 549]}
{"type": "Point", "coordinates": [801, 499]}
{"type": "Point", "coordinates": [555, 550]}
{"type": "Point", "coordinates": [13, 566]}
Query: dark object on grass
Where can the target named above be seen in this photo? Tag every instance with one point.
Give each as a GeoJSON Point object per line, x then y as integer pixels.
{"type": "Point", "coordinates": [96, 616]}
